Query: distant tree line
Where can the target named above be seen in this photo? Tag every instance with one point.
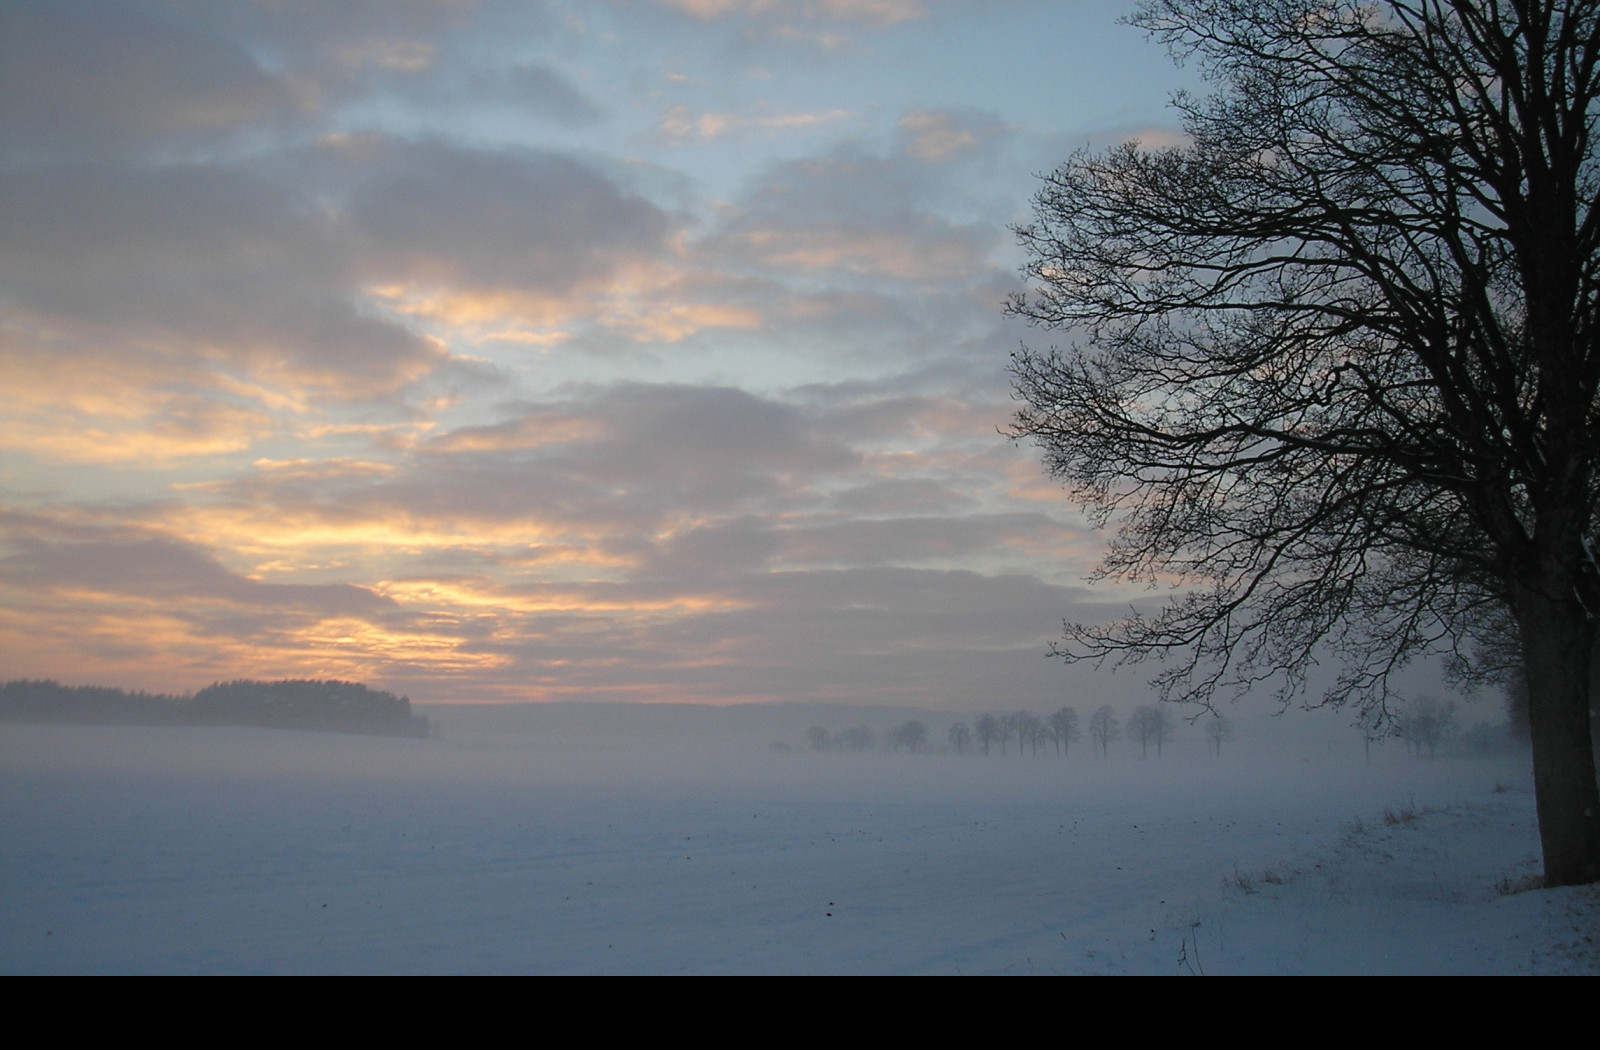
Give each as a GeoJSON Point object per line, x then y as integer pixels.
{"type": "Point", "coordinates": [336, 707]}
{"type": "Point", "coordinates": [1426, 725]}
{"type": "Point", "coordinates": [856, 738]}
{"type": "Point", "coordinates": [1151, 726]}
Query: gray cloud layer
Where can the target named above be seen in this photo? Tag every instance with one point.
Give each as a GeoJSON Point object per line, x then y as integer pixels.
{"type": "Point", "coordinates": [323, 363]}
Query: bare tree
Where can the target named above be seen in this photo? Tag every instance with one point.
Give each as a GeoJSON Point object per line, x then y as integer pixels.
{"type": "Point", "coordinates": [1427, 721]}
{"type": "Point", "coordinates": [1341, 355]}
{"type": "Point", "coordinates": [960, 737]}
{"type": "Point", "coordinates": [911, 735]}
{"type": "Point", "coordinates": [1063, 729]}
{"type": "Point", "coordinates": [1030, 730]}
{"type": "Point", "coordinates": [856, 738]}
{"type": "Point", "coordinates": [1374, 729]}
{"type": "Point", "coordinates": [1150, 724]}
{"type": "Point", "coordinates": [1104, 727]}
{"type": "Point", "coordinates": [1219, 731]}
{"type": "Point", "coordinates": [1006, 728]}
{"type": "Point", "coordinates": [988, 728]}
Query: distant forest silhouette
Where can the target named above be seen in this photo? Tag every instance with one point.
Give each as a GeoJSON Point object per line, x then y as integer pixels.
{"type": "Point", "coordinates": [335, 707]}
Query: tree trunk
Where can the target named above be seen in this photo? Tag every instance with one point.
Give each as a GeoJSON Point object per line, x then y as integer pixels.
{"type": "Point", "coordinates": [1557, 639]}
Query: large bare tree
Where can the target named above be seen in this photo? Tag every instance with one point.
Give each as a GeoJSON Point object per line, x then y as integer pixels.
{"type": "Point", "coordinates": [1333, 362]}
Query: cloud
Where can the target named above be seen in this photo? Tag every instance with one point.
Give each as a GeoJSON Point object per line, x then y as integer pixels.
{"type": "Point", "coordinates": [520, 246]}
{"type": "Point", "coordinates": [664, 323]}
{"type": "Point", "coordinates": [623, 476]}
{"type": "Point", "coordinates": [599, 479]}
{"type": "Point", "coordinates": [446, 93]}
{"type": "Point", "coordinates": [901, 496]}
{"type": "Point", "coordinates": [644, 541]}
{"type": "Point", "coordinates": [119, 562]}
{"type": "Point", "coordinates": [314, 359]}
{"type": "Point", "coordinates": [713, 552]}
{"type": "Point", "coordinates": [393, 54]}
{"type": "Point", "coordinates": [81, 79]}
{"type": "Point", "coordinates": [942, 136]}
{"type": "Point", "coordinates": [680, 122]}
{"type": "Point", "coordinates": [853, 214]}
{"type": "Point", "coordinates": [199, 265]}
{"type": "Point", "coordinates": [941, 638]}
{"type": "Point", "coordinates": [877, 13]}
{"type": "Point", "coordinates": [167, 427]}
{"type": "Point", "coordinates": [639, 457]}
{"type": "Point", "coordinates": [824, 27]}
{"type": "Point", "coordinates": [539, 89]}
{"type": "Point", "coordinates": [310, 278]}
{"type": "Point", "coordinates": [520, 219]}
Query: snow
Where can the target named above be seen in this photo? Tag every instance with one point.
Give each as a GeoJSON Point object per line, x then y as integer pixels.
{"type": "Point", "coordinates": [512, 846]}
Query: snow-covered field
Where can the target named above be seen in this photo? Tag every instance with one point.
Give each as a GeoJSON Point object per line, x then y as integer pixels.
{"type": "Point", "coordinates": [513, 847]}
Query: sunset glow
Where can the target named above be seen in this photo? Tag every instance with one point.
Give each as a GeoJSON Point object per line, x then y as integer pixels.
{"type": "Point", "coordinates": [646, 350]}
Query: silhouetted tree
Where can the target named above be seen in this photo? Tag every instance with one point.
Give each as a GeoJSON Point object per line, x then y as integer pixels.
{"type": "Point", "coordinates": [911, 735]}
{"type": "Point", "coordinates": [1374, 729]}
{"type": "Point", "coordinates": [328, 706]}
{"type": "Point", "coordinates": [1342, 360]}
{"type": "Point", "coordinates": [1063, 729]}
{"type": "Point", "coordinates": [988, 728]}
{"type": "Point", "coordinates": [856, 738]}
{"type": "Point", "coordinates": [1218, 731]}
{"type": "Point", "coordinates": [1007, 728]}
{"type": "Point", "coordinates": [1150, 725]}
{"type": "Point", "coordinates": [1427, 721]}
{"type": "Point", "coordinates": [1030, 730]}
{"type": "Point", "coordinates": [1104, 727]}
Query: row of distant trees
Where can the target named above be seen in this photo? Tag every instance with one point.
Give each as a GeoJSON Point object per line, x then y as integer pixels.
{"type": "Point", "coordinates": [1150, 725]}
{"type": "Point", "coordinates": [331, 706]}
{"type": "Point", "coordinates": [1427, 723]}
{"type": "Point", "coordinates": [1424, 725]}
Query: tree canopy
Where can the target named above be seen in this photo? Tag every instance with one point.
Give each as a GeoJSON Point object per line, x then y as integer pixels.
{"type": "Point", "coordinates": [1334, 360]}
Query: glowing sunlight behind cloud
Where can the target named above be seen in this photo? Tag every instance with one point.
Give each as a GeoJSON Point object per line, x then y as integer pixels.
{"type": "Point", "coordinates": [652, 352]}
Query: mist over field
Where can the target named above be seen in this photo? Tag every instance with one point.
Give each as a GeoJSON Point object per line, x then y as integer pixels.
{"type": "Point", "coordinates": [628, 839]}
{"type": "Point", "coordinates": [627, 392]}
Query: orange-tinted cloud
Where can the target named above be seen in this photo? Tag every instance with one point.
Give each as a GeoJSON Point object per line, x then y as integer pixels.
{"type": "Point", "coordinates": [681, 123]}
{"type": "Point", "coordinates": [871, 12]}
{"type": "Point", "coordinates": [393, 342]}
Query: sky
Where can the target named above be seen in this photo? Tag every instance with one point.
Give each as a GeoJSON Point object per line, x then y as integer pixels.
{"type": "Point", "coordinates": [617, 350]}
